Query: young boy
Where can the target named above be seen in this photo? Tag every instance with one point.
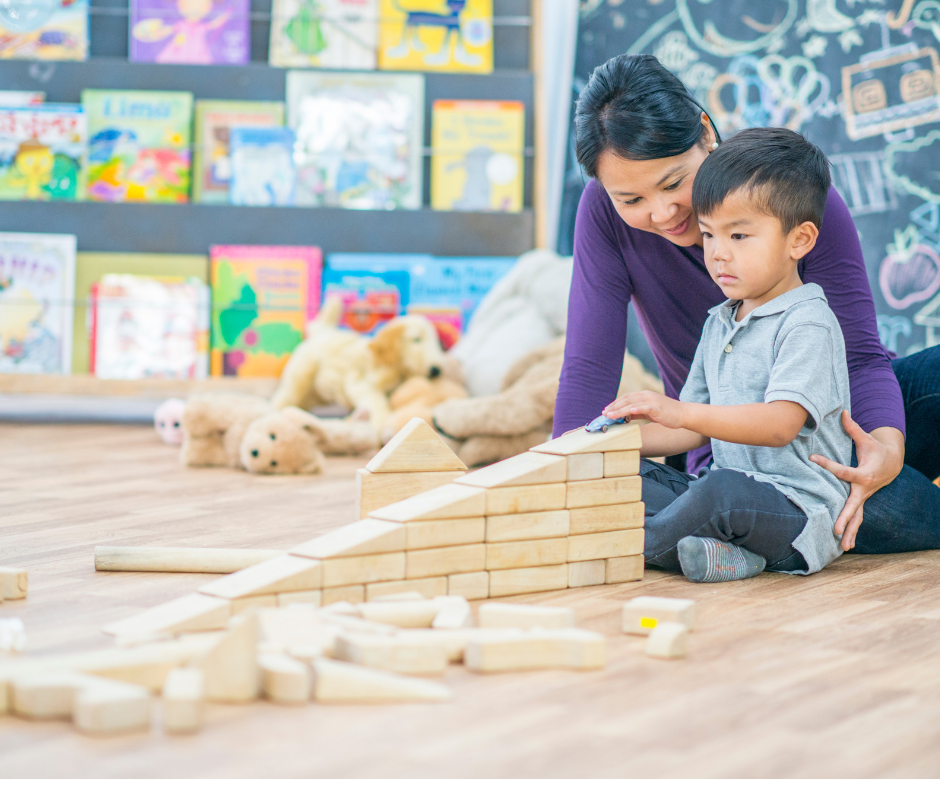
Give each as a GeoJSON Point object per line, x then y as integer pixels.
{"type": "Point", "coordinates": [768, 382]}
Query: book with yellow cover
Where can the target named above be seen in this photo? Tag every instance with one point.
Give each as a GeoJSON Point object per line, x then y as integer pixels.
{"type": "Point", "coordinates": [477, 155]}
{"type": "Point", "coordinates": [436, 35]}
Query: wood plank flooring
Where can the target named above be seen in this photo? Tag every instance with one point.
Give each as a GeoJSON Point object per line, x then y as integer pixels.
{"type": "Point", "coordinates": [834, 675]}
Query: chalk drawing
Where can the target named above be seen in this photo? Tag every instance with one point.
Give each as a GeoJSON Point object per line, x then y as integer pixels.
{"type": "Point", "coordinates": [674, 51]}
{"type": "Point", "coordinates": [714, 42]}
{"type": "Point", "coordinates": [908, 171]}
{"type": "Point", "coordinates": [824, 17]}
{"type": "Point", "coordinates": [909, 276]}
{"type": "Point", "coordinates": [860, 179]}
{"type": "Point", "coordinates": [890, 327]}
{"type": "Point", "coordinates": [927, 17]}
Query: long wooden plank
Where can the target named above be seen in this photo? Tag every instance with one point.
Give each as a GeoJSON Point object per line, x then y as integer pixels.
{"type": "Point", "coordinates": [277, 575]}
{"type": "Point", "coordinates": [365, 537]}
{"type": "Point", "coordinates": [448, 502]}
{"type": "Point", "coordinates": [527, 468]}
{"type": "Point", "coordinates": [620, 437]}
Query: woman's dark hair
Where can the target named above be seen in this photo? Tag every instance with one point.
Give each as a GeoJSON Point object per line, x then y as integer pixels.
{"type": "Point", "coordinates": [635, 108]}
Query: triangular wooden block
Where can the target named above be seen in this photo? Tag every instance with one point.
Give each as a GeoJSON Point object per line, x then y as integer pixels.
{"type": "Point", "coordinates": [620, 437]}
{"type": "Point", "coordinates": [190, 613]}
{"type": "Point", "coordinates": [528, 468]}
{"type": "Point", "coordinates": [231, 667]}
{"type": "Point", "coordinates": [278, 575]}
{"type": "Point", "coordinates": [341, 682]}
{"type": "Point", "coordinates": [448, 502]}
{"type": "Point", "coordinates": [366, 537]}
{"type": "Point", "coordinates": [416, 447]}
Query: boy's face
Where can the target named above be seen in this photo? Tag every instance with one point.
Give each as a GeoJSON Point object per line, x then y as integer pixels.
{"type": "Point", "coordinates": [747, 253]}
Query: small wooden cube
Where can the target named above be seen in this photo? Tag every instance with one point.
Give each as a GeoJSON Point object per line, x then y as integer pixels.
{"type": "Point", "coordinates": [537, 552]}
{"type": "Point", "coordinates": [584, 467]}
{"type": "Point", "coordinates": [621, 463]}
{"type": "Point", "coordinates": [586, 573]}
{"type": "Point", "coordinates": [183, 700]}
{"type": "Point", "coordinates": [667, 640]}
{"type": "Point", "coordinates": [642, 614]}
{"type": "Point", "coordinates": [471, 585]}
{"type": "Point", "coordinates": [284, 679]}
{"type": "Point", "coordinates": [624, 569]}
{"type": "Point", "coordinates": [13, 582]}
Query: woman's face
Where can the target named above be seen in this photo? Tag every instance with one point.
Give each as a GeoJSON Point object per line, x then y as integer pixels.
{"type": "Point", "coordinates": [656, 195]}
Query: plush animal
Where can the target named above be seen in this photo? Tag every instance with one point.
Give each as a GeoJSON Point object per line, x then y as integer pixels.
{"type": "Point", "coordinates": [337, 366]}
{"type": "Point", "coordinates": [482, 430]}
{"type": "Point", "coordinates": [168, 421]}
{"type": "Point", "coordinates": [416, 397]}
{"type": "Point", "coordinates": [214, 425]}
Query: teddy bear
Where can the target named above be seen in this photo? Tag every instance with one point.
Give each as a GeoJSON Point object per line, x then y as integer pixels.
{"type": "Point", "coordinates": [418, 395]}
{"type": "Point", "coordinates": [168, 421]}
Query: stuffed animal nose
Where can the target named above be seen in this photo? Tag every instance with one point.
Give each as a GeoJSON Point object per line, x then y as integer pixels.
{"type": "Point", "coordinates": [434, 372]}
{"type": "Point", "coordinates": [254, 452]}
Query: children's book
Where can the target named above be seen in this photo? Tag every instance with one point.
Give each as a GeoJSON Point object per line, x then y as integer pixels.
{"type": "Point", "coordinates": [201, 32]}
{"type": "Point", "coordinates": [149, 327]}
{"type": "Point", "coordinates": [138, 145]}
{"type": "Point", "coordinates": [436, 35]}
{"type": "Point", "coordinates": [37, 289]}
{"type": "Point", "coordinates": [263, 170]}
{"type": "Point", "coordinates": [359, 138]}
{"type": "Point", "coordinates": [370, 298]}
{"type": "Point", "coordinates": [44, 30]}
{"type": "Point", "coordinates": [477, 155]}
{"type": "Point", "coordinates": [21, 98]}
{"type": "Point", "coordinates": [41, 149]}
{"type": "Point", "coordinates": [212, 164]}
{"type": "Point", "coordinates": [262, 297]}
{"type": "Point", "coordinates": [324, 33]}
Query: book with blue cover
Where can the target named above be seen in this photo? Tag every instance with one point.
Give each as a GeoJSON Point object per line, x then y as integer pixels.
{"type": "Point", "coordinates": [263, 170]}
{"type": "Point", "coordinates": [370, 298]}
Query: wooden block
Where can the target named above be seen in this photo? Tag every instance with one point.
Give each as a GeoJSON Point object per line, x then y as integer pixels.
{"type": "Point", "coordinates": [284, 679]}
{"type": "Point", "coordinates": [375, 490]}
{"type": "Point", "coordinates": [583, 467]}
{"type": "Point", "coordinates": [424, 587]}
{"type": "Point", "coordinates": [596, 519]}
{"type": "Point", "coordinates": [530, 525]}
{"type": "Point", "coordinates": [451, 501]}
{"type": "Point", "coordinates": [620, 437]}
{"type": "Point", "coordinates": [300, 598]}
{"type": "Point", "coordinates": [190, 613]}
{"type": "Point", "coordinates": [586, 573]}
{"type": "Point", "coordinates": [286, 629]}
{"type": "Point", "coordinates": [667, 640]}
{"type": "Point", "coordinates": [363, 569]}
{"type": "Point", "coordinates": [537, 552]}
{"type": "Point", "coordinates": [625, 569]}
{"type": "Point", "coordinates": [413, 613]}
{"type": "Point", "coordinates": [502, 615]}
{"type": "Point", "coordinates": [415, 447]}
{"type": "Point", "coordinates": [604, 492]}
{"type": "Point", "coordinates": [453, 641]}
{"type": "Point", "coordinates": [643, 613]}
{"type": "Point", "coordinates": [401, 596]}
{"type": "Point", "coordinates": [445, 560]}
{"type": "Point", "coordinates": [454, 613]}
{"type": "Point", "coordinates": [13, 582]}
{"type": "Point", "coordinates": [183, 700]}
{"type": "Point", "coordinates": [398, 653]}
{"type": "Point", "coordinates": [445, 533]}
{"type": "Point", "coordinates": [47, 694]}
{"type": "Point", "coordinates": [364, 537]}
{"type": "Point", "coordinates": [278, 575]}
{"type": "Point", "coordinates": [352, 594]}
{"type": "Point", "coordinates": [610, 544]}
{"type": "Point", "coordinates": [335, 681]}
{"type": "Point", "coordinates": [239, 606]}
{"type": "Point", "coordinates": [507, 582]}
{"type": "Point", "coordinates": [523, 469]}
{"type": "Point", "coordinates": [536, 649]}
{"type": "Point", "coordinates": [108, 707]}
{"type": "Point", "coordinates": [473, 585]}
{"type": "Point", "coordinates": [534, 498]}
{"type": "Point", "coordinates": [208, 560]}
{"type": "Point", "coordinates": [621, 463]}
{"type": "Point", "coordinates": [231, 667]}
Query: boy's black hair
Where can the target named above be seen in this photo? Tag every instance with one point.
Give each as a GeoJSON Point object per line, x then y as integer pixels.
{"type": "Point", "coordinates": [786, 176]}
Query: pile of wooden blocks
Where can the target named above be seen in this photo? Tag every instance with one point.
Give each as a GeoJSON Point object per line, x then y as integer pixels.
{"type": "Point", "coordinates": [664, 621]}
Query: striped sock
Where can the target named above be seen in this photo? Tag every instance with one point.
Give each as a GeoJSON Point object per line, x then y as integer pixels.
{"type": "Point", "coordinates": [705, 560]}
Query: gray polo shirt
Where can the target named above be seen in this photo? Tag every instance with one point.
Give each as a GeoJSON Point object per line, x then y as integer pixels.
{"type": "Point", "coordinates": [790, 349]}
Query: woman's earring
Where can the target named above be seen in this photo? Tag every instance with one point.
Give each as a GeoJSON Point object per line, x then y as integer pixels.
{"type": "Point", "coordinates": [715, 145]}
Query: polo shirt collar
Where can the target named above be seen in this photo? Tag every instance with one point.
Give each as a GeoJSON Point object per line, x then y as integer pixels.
{"type": "Point", "coordinates": [781, 303]}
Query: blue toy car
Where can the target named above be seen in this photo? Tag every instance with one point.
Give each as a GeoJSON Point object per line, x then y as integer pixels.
{"type": "Point", "coordinates": [602, 424]}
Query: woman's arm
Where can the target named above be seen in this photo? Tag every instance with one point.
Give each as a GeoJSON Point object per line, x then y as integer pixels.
{"type": "Point", "coordinates": [597, 317]}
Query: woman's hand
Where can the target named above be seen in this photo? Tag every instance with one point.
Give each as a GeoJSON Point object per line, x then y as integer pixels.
{"type": "Point", "coordinates": [880, 459]}
{"type": "Point", "coordinates": [658, 408]}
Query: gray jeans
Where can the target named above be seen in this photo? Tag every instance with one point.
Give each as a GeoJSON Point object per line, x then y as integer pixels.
{"type": "Point", "coordinates": [726, 505]}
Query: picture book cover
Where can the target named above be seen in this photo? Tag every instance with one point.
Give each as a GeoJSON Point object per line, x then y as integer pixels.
{"type": "Point", "coordinates": [92, 267]}
{"type": "Point", "coordinates": [199, 32]}
{"type": "Point", "coordinates": [263, 171]}
{"type": "Point", "coordinates": [41, 149]}
{"type": "Point", "coordinates": [477, 155]}
{"type": "Point", "coordinates": [37, 290]}
{"type": "Point", "coordinates": [262, 297]}
{"type": "Point", "coordinates": [21, 98]}
{"type": "Point", "coordinates": [138, 145]}
{"type": "Point", "coordinates": [324, 34]}
{"type": "Point", "coordinates": [46, 30]}
{"type": "Point", "coordinates": [436, 35]}
{"type": "Point", "coordinates": [212, 164]}
{"type": "Point", "coordinates": [149, 327]}
{"type": "Point", "coordinates": [360, 138]}
{"type": "Point", "coordinates": [370, 298]}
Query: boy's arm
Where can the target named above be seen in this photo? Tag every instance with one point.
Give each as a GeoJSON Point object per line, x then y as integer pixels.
{"type": "Point", "coordinates": [660, 441]}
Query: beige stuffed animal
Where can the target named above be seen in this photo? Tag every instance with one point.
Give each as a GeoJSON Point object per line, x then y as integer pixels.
{"type": "Point", "coordinates": [214, 425]}
{"type": "Point", "coordinates": [337, 366]}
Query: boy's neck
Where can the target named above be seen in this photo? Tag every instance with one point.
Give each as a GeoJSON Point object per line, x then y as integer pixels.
{"type": "Point", "coordinates": [785, 285]}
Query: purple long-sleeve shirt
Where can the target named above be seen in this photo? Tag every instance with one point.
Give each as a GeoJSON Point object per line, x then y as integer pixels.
{"type": "Point", "coordinates": [672, 293]}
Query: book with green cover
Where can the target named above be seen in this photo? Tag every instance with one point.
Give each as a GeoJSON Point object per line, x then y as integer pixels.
{"type": "Point", "coordinates": [138, 145]}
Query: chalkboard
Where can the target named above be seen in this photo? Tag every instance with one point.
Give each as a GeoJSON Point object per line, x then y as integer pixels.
{"type": "Point", "coordinates": [860, 78]}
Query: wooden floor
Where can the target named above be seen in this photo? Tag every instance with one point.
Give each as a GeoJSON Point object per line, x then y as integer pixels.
{"type": "Point", "coordinates": [834, 675]}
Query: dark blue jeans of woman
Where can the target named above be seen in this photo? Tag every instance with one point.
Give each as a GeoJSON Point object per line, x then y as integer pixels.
{"type": "Point", "coordinates": [905, 515]}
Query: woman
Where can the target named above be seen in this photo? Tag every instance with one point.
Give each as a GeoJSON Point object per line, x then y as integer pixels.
{"type": "Point", "coordinates": [641, 137]}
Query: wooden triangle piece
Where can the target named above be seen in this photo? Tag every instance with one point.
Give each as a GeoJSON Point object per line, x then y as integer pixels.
{"type": "Point", "coordinates": [620, 437]}
{"type": "Point", "coordinates": [523, 469]}
{"type": "Point", "coordinates": [341, 682]}
{"type": "Point", "coordinates": [231, 667]}
{"type": "Point", "coordinates": [442, 503]}
{"type": "Point", "coordinates": [277, 575]}
{"type": "Point", "coordinates": [416, 447]}
{"type": "Point", "coordinates": [366, 537]}
{"type": "Point", "coordinates": [190, 613]}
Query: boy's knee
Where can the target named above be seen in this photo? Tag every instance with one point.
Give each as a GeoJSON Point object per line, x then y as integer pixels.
{"type": "Point", "coordinates": [721, 489]}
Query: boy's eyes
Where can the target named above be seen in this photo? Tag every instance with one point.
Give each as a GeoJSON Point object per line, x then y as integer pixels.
{"type": "Point", "coordinates": [738, 236]}
{"type": "Point", "coordinates": [706, 234]}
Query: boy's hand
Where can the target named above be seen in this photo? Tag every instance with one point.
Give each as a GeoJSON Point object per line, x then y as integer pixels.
{"type": "Point", "coordinates": [658, 408]}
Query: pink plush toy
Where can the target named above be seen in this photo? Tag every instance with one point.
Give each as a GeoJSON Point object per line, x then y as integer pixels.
{"type": "Point", "coordinates": [168, 421]}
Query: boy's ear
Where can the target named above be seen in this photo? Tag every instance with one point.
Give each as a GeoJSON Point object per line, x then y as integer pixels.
{"type": "Point", "coordinates": [803, 240]}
